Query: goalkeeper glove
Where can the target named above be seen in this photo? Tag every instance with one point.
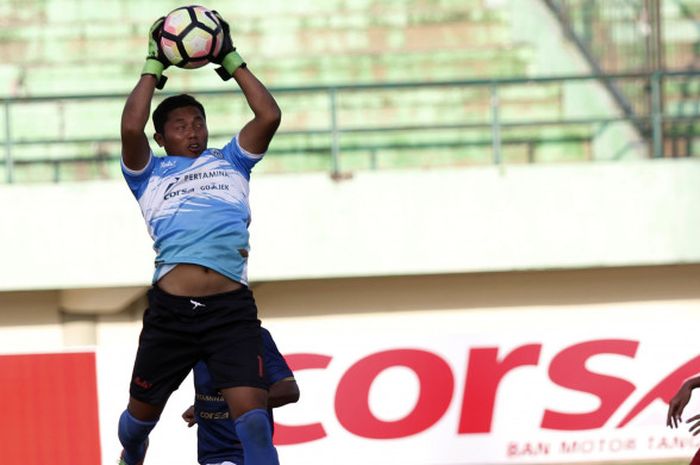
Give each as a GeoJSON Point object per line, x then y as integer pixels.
{"type": "Point", "coordinates": [156, 62]}
{"type": "Point", "coordinates": [228, 57]}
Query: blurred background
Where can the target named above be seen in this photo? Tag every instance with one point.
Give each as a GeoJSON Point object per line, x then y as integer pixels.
{"type": "Point", "coordinates": [474, 237]}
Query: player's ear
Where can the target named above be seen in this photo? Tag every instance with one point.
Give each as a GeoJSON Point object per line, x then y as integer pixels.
{"type": "Point", "coordinates": [158, 138]}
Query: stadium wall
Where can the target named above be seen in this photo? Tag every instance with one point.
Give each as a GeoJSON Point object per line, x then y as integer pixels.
{"type": "Point", "coordinates": [91, 235]}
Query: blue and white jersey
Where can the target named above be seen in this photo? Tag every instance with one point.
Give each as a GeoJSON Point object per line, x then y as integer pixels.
{"type": "Point", "coordinates": [217, 440]}
{"type": "Point", "coordinates": [197, 209]}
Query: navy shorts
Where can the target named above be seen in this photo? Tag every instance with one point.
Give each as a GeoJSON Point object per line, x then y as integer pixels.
{"type": "Point", "coordinates": [222, 329]}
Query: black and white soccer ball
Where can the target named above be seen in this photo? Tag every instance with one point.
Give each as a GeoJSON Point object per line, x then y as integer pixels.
{"type": "Point", "coordinates": [192, 36]}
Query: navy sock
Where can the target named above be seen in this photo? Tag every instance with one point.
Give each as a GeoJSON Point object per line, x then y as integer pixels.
{"type": "Point", "coordinates": [133, 434]}
{"type": "Point", "coordinates": [255, 432]}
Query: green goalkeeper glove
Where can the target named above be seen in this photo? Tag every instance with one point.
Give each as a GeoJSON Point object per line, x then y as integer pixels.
{"type": "Point", "coordinates": [228, 57]}
{"type": "Point", "coordinates": [156, 62]}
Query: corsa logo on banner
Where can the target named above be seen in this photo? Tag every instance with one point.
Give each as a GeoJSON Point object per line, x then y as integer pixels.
{"type": "Point", "coordinates": [485, 370]}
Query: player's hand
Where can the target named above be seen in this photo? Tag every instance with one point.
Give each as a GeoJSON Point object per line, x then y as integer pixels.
{"type": "Point", "coordinates": [676, 406]}
{"type": "Point", "coordinates": [188, 416]}
{"type": "Point", "coordinates": [695, 427]}
{"type": "Point", "coordinates": [156, 62]}
{"type": "Point", "coordinates": [228, 57]}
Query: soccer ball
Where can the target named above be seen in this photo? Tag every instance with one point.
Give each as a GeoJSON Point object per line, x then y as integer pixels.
{"type": "Point", "coordinates": [191, 37]}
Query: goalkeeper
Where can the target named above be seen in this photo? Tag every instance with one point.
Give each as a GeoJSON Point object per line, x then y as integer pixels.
{"type": "Point", "coordinates": [195, 204]}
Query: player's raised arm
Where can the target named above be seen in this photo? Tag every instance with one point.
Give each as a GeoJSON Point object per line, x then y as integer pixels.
{"type": "Point", "coordinates": [257, 133]}
{"type": "Point", "coordinates": [135, 150]}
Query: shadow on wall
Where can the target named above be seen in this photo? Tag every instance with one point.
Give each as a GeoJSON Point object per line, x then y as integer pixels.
{"type": "Point", "coordinates": [477, 290]}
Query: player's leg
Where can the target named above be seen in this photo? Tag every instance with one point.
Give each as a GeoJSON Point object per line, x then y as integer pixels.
{"type": "Point", "coordinates": [235, 363]}
{"type": "Point", "coordinates": [140, 417]}
{"type": "Point", "coordinates": [135, 424]}
{"type": "Point", "coordinates": [248, 407]}
{"type": "Point", "coordinates": [167, 352]}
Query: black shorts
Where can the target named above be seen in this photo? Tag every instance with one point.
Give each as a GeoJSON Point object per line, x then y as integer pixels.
{"type": "Point", "coordinates": [223, 330]}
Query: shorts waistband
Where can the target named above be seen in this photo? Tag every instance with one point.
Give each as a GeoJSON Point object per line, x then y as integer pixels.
{"type": "Point", "coordinates": [160, 294]}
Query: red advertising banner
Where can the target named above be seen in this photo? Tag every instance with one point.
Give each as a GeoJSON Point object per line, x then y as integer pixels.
{"type": "Point", "coordinates": [50, 409]}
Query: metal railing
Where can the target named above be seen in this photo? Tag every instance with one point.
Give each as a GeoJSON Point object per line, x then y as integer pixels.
{"type": "Point", "coordinates": [616, 36]}
{"type": "Point", "coordinates": [498, 114]}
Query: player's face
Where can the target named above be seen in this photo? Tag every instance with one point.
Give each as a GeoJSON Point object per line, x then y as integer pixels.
{"type": "Point", "coordinates": [185, 132]}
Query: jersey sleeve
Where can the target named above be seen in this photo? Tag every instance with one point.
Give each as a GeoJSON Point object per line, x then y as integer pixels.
{"type": "Point", "coordinates": [138, 179]}
{"type": "Point", "coordinates": [240, 158]}
{"type": "Point", "coordinates": [276, 368]}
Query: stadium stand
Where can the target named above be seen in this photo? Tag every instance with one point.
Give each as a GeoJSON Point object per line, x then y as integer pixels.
{"type": "Point", "coordinates": [353, 77]}
{"type": "Point", "coordinates": [621, 36]}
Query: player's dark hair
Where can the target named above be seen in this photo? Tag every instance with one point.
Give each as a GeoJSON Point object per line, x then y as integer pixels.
{"type": "Point", "coordinates": [160, 114]}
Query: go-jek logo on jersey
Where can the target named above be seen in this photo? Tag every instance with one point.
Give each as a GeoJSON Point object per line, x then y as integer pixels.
{"type": "Point", "coordinates": [167, 164]}
{"type": "Point", "coordinates": [484, 371]}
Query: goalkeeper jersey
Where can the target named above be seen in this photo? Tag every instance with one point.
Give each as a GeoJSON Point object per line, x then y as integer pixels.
{"type": "Point", "coordinates": [196, 209]}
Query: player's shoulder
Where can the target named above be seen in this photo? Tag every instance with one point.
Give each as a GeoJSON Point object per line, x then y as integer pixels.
{"type": "Point", "coordinates": [215, 152]}
{"type": "Point", "coordinates": [235, 148]}
{"type": "Point", "coordinates": [164, 163]}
